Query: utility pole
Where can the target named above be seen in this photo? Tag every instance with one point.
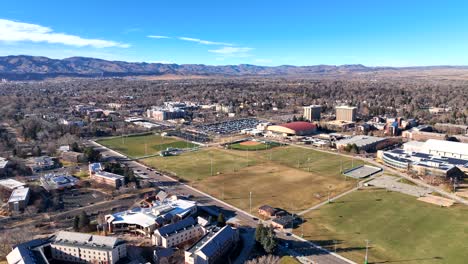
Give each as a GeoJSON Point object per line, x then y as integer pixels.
{"type": "Point", "coordinates": [211, 163]}
{"type": "Point", "coordinates": [367, 251]}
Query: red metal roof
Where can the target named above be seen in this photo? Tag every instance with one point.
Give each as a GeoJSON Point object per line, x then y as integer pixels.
{"type": "Point", "coordinates": [299, 126]}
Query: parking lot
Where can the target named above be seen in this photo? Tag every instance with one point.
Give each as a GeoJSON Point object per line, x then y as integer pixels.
{"type": "Point", "coordinates": [229, 127]}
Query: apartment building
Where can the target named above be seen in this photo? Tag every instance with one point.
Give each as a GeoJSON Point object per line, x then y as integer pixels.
{"type": "Point", "coordinates": [98, 174]}
{"type": "Point", "coordinates": [178, 233]}
{"type": "Point", "coordinates": [86, 248]}
{"type": "Point", "coordinates": [212, 247]}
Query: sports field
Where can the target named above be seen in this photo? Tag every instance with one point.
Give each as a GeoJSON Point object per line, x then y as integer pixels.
{"type": "Point", "coordinates": [253, 145]}
{"type": "Point", "coordinates": [400, 229]}
{"type": "Point", "coordinates": [138, 146]}
{"type": "Point", "coordinates": [288, 177]}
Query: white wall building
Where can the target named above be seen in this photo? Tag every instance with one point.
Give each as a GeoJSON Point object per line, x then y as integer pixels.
{"type": "Point", "coordinates": [80, 247]}
{"type": "Point", "coordinates": [178, 233]}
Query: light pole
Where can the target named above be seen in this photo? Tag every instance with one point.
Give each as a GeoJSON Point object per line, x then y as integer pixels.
{"type": "Point", "coordinates": [250, 202]}
{"type": "Point", "coordinates": [367, 251]}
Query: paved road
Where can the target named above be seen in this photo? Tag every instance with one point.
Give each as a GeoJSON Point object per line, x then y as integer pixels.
{"type": "Point", "coordinates": [205, 200]}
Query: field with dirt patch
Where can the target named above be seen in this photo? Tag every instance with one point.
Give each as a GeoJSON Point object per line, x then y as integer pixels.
{"type": "Point", "coordinates": [138, 146]}
{"type": "Point", "coordinates": [287, 177]}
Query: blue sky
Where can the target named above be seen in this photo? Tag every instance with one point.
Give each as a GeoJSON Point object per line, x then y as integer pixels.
{"type": "Point", "coordinates": [373, 33]}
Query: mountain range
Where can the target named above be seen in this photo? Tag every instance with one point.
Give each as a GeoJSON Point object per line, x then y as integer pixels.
{"type": "Point", "coordinates": [24, 67]}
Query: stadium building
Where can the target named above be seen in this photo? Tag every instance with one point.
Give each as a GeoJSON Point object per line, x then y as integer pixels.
{"type": "Point", "coordinates": [292, 129]}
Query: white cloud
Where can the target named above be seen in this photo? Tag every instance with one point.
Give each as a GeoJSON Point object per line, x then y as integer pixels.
{"type": "Point", "coordinates": [205, 42]}
{"type": "Point", "coordinates": [232, 51]}
{"type": "Point", "coordinates": [12, 31]}
{"type": "Point", "coordinates": [263, 61]}
{"type": "Point", "coordinates": [158, 37]}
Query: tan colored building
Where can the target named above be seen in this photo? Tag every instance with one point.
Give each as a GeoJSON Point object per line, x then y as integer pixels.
{"type": "Point", "coordinates": [293, 129]}
{"type": "Point", "coordinates": [175, 234]}
{"type": "Point", "coordinates": [97, 174]}
{"type": "Point", "coordinates": [312, 112]}
{"type": "Point", "coordinates": [346, 113]}
{"type": "Point", "coordinates": [421, 135]}
{"type": "Point", "coordinates": [86, 248]}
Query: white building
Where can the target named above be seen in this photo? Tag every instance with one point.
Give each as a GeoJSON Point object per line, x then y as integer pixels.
{"type": "Point", "coordinates": [212, 247]}
{"type": "Point", "coordinates": [18, 199]}
{"type": "Point", "coordinates": [440, 148]}
{"type": "Point", "coordinates": [80, 247]}
{"type": "Point", "coordinates": [145, 220]}
{"type": "Point", "coordinates": [172, 235]}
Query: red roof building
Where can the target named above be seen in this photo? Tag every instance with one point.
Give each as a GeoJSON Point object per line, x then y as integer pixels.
{"type": "Point", "coordinates": [294, 129]}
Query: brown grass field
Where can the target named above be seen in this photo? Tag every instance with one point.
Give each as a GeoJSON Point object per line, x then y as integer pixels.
{"type": "Point", "coordinates": [289, 177]}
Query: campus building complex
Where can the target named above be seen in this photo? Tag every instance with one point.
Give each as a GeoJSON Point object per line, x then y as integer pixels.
{"type": "Point", "coordinates": [440, 148]}
{"type": "Point", "coordinates": [145, 221]}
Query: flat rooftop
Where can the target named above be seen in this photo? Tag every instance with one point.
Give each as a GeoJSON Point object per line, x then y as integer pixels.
{"type": "Point", "coordinates": [360, 141]}
{"type": "Point", "coordinates": [11, 184]}
{"type": "Point", "coordinates": [362, 171]}
{"type": "Point", "coordinates": [18, 195]}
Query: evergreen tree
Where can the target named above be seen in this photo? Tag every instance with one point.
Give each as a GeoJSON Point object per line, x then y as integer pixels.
{"type": "Point", "coordinates": [221, 220]}
{"type": "Point", "coordinates": [83, 220]}
{"type": "Point", "coordinates": [76, 223]}
{"type": "Point", "coordinates": [259, 233]}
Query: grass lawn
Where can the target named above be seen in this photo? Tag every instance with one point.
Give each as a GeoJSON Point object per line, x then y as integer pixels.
{"type": "Point", "coordinates": [400, 229]}
{"type": "Point", "coordinates": [289, 177]}
{"type": "Point", "coordinates": [138, 146]}
{"type": "Point", "coordinates": [289, 260]}
{"type": "Point", "coordinates": [260, 146]}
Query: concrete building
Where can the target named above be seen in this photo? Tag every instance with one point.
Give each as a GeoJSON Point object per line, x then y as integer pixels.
{"type": "Point", "coordinates": [417, 135]}
{"type": "Point", "coordinates": [42, 163]}
{"type": "Point", "coordinates": [423, 164]}
{"type": "Point", "coordinates": [365, 143]}
{"type": "Point", "coordinates": [145, 221]}
{"type": "Point", "coordinates": [312, 112]}
{"type": "Point", "coordinates": [85, 248]}
{"type": "Point", "coordinates": [292, 129]}
{"type": "Point", "coordinates": [58, 182]}
{"type": "Point", "coordinates": [212, 247]}
{"type": "Point", "coordinates": [167, 112]}
{"type": "Point", "coordinates": [174, 234]}
{"type": "Point", "coordinates": [451, 128]}
{"type": "Point", "coordinates": [97, 174]}
{"type": "Point", "coordinates": [440, 148]}
{"type": "Point", "coordinates": [11, 184]}
{"type": "Point", "coordinates": [19, 199]}
{"type": "Point", "coordinates": [346, 113]}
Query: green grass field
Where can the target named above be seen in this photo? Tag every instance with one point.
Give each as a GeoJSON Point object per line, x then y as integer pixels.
{"type": "Point", "coordinates": [138, 146]}
{"type": "Point", "coordinates": [287, 177]}
{"type": "Point", "coordinates": [261, 146]}
{"type": "Point", "coordinates": [400, 229]}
